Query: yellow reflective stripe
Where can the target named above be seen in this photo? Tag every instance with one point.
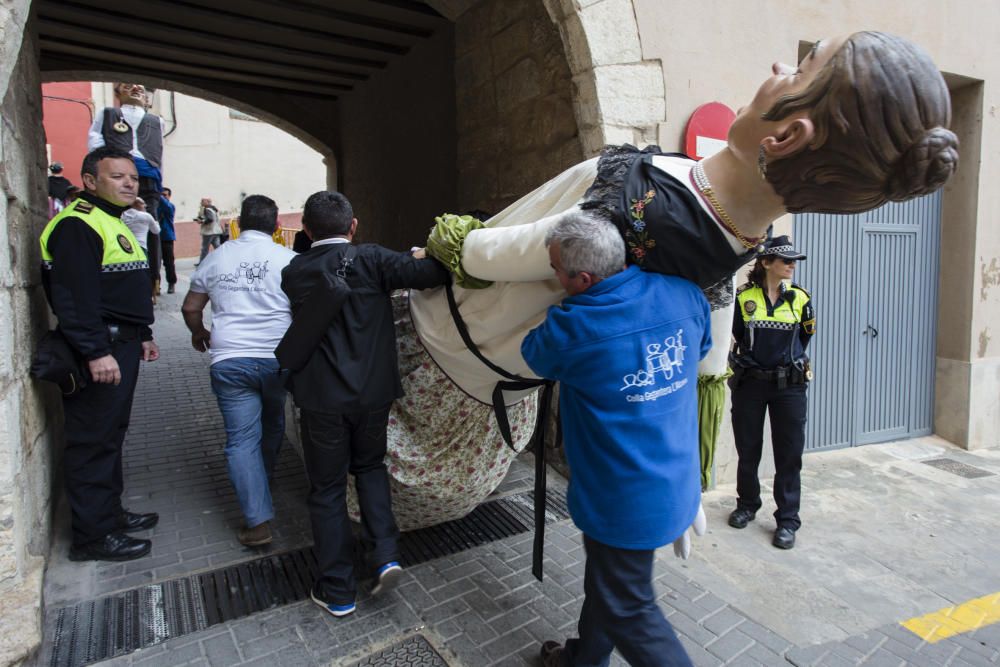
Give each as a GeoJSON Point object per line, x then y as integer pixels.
{"type": "Point", "coordinates": [951, 621]}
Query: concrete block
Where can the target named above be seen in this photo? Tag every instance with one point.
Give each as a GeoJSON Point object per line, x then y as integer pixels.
{"type": "Point", "coordinates": [611, 32]}
{"type": "Point", "coordinates": [631, 94]}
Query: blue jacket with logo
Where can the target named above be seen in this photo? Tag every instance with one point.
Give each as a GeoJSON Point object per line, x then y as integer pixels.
{"type": "Point", "coordinates": [626, 353]}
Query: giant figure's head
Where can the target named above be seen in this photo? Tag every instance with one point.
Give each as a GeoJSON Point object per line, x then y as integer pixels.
{"type": "Point", "coordinates": [131, 93]}
{"type": "Point", "coordinates": [862, 121]}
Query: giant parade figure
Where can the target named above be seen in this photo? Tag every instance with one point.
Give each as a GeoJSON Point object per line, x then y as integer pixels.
{"type": "Point", "coordinates": [863, 120]}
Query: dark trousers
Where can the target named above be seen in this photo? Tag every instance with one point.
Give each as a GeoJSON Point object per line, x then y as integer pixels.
{"type": "Point", "coordinates": [336, 444]}
{"type": "Point", "coordinates": [96, 421]}
{"type": "Point", "coordinates": [620, 611]}
{"type": "Point", "coordinates": [787, 408]}
{"type": "Point", "coordinates": [153, 255]}
{"type": "Point", "coordinates": [149, 190]}
{"type": "Point", "coordinates": [167, 250]}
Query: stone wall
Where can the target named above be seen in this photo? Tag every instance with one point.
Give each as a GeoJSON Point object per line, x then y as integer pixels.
{"type": "Point", "coordinates": [396, 145]}
{"type": "Point", "coordinates": [29, 415]}
{"type": "Point", "coordinates": [515, 120]}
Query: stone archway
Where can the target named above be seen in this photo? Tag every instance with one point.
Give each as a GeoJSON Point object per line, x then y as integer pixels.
{"type": "Point", "coordinates": [618, 95]}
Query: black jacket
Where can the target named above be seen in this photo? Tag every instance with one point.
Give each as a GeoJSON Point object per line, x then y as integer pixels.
{"type": "Point", "coordinates": [354, 369]}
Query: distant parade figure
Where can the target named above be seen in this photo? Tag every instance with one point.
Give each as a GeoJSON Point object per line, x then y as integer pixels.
{"type": "Point", "coordinates": [129, 127]}
{"type": "Point", "coordinates": [772, 324]}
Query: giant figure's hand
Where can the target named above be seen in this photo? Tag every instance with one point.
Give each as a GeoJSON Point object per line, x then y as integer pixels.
{"type": "Point", "coordinates": [682, 545]}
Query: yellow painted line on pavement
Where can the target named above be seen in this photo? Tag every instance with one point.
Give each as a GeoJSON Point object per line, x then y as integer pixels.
{"type": "Point", "coordinates": [952, 621]}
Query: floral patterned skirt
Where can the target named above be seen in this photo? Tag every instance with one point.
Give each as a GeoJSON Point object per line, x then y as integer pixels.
{"type": "Point", "coordinates": [445, 454]}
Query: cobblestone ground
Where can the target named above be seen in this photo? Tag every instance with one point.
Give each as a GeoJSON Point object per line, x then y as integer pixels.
{"type": "Point", "coordinates": [477, 608]}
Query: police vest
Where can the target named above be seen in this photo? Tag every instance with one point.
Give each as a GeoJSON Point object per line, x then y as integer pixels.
{"type": "Point", "coordinates": [787, 315]}
{"type": "Point", "coordinates": [122, 251]}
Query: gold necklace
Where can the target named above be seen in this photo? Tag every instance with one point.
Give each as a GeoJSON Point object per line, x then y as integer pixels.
{"type": "Point", "coordinates": [701, 182]}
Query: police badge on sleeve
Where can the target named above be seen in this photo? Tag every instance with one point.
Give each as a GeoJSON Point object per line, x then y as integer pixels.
{"type": "Point", "coordinates": [125, 244]}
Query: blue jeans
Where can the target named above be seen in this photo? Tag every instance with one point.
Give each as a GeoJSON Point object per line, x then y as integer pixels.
{"type": "Point", "coordinates": [251, 395]}
{"type": "Point", "coordinates": [620, 611]}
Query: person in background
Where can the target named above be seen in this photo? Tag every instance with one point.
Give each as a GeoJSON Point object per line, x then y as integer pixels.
{"type": "Point", "coordinates": [250, 314]}
{"type": "Point", "coordinates": [140, 222]}
{"type": "Point", "coordinates": [96, 279]}
{"type": "Point", "coordinates": [773, 324]}
{"type": "Point", "coordinates": [167, 237]}
{"type": "Point", "coordinates": [59, 187]}
{"type": "Point", "coordinates": [345, 392]}
{"type": "Point", "coordinates": [624, 346]}
{"type": "Point", "coordinates": [211, 228]}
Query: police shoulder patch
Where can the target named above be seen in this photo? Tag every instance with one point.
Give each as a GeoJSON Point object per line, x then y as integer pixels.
{"type": "Point", "coordinates": [83, 206]}
{"type": "Point", "coordinates": [744, 287]}
{"type": "Point", "coordinates": [801, 289]}
{"type": "Point", "coordinates": [125, 244]}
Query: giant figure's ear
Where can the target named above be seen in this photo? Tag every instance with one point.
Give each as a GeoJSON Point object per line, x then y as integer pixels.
{"type": "Point", "coordinates": [793, 136]}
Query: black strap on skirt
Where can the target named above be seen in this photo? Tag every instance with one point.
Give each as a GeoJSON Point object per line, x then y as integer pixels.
{"type": "Point", "coordinates": [515, 382]}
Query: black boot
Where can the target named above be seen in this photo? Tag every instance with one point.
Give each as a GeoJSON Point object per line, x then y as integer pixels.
{"type": "Point", "coordinates": [133, 521]}
{"type": "Point", "coordinates": [113, 546]}
{"type": "Point", "coordinates": [740, 517]}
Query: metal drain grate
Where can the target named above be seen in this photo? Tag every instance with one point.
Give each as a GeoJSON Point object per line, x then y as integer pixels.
{"type": "Point", "coordinates": [958, 468]}
{"type": "Point", "coordinates": [99, 629]}
{"type": "Point", "coordinates": [413, 651]}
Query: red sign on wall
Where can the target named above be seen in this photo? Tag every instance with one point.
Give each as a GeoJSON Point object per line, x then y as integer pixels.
{"type": "Point", "coordinates": [707, 130]}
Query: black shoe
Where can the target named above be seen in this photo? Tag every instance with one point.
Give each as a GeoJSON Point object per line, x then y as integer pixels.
{"type": "Point", "coordinates": [113, 546]}
{"type": "Point", "coordinates": [739, 517]}
{"type": "Point", "coordinates": [552, 653]}
{"type": "Point", "coordinates": [170, 288]}
{"type": "Point", "coordinates": [784, 538]}
{"type": "Point", "coordinates": [133, 521]}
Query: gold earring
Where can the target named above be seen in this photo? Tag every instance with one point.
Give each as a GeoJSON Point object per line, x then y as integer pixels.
{"type": "Point", "coordinates": [762, 163]}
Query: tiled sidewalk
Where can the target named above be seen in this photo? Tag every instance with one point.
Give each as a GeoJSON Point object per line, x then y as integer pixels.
{"type": "Point", "coordinates": [478, 608]}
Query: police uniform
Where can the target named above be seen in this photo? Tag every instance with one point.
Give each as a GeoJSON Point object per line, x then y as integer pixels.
{"type": "Point", "coordinates": [96, 279]}
{"type": "Point", "coordinates": [771, 373]}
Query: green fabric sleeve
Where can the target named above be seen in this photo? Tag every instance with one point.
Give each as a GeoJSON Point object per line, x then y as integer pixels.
{"type": "Point", "coordinates": [445, 245]}
{"type": "Point", "coordinates": [711, 404]}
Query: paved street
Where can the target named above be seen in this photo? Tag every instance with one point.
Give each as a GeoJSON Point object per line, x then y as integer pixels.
{"type": "Point", "coordinates": [887, 537]}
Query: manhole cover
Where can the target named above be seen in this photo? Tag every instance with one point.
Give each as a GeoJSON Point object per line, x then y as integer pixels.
{"type": "Point", "coordinates": [414, 651]}
{"type": "Point", "coordinates": [958, 468]}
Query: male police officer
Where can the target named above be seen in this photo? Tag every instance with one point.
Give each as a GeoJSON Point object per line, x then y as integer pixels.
{"type": "Point", "coordinates": [96, 278]}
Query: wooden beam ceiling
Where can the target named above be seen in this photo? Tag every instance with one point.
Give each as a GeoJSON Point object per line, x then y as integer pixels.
{"type": "Point", "coordinates": [317, 48]}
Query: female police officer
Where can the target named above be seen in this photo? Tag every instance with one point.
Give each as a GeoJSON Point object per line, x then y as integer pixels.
{"type": "Point", "coordinates": [772, 324]}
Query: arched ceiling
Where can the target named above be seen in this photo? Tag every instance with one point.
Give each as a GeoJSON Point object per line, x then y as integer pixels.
{"type": "Point", "coordinates": [314, 48]}
{"type": "Point", "coordinates": [264, 53]}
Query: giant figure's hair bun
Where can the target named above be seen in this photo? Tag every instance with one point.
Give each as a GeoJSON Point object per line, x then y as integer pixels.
{"type": "Point", "coordinates": [926, 165]}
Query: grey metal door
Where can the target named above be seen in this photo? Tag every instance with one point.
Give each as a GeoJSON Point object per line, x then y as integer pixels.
{"type": "Point", "coordinates": [873, 278]}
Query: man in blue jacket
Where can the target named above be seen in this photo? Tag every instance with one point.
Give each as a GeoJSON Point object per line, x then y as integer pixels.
{"type": "Point", "coordinates": [167, 238]}
{"type": "Point", "coordinates": [625, 347]}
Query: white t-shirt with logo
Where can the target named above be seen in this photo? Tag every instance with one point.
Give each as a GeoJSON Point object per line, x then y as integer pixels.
{"type": "Point", "coordinates": [242, 278]}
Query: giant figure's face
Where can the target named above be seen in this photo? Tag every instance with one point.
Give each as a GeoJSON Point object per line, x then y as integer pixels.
{"type": "Point", "coordinates": [131, 93]}
{"type": "Point", "coordinates": [749, 128]}
{"type": "Point", "coordinates": [117, 181]}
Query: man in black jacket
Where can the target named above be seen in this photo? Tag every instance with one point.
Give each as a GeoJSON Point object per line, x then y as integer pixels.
{"type": "Point", "coordinates": [345, 391]}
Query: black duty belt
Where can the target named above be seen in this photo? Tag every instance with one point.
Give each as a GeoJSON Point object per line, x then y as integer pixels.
{"type": "Point", "coordinates": [515, 382]}
{"type": "Point", "coordinates": [786, 374]}
{"type": "Point", "coordinates": [119, 331]}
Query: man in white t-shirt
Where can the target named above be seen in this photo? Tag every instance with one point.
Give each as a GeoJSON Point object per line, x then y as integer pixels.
{"type": "Point", "coordinates": [250, 314]}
